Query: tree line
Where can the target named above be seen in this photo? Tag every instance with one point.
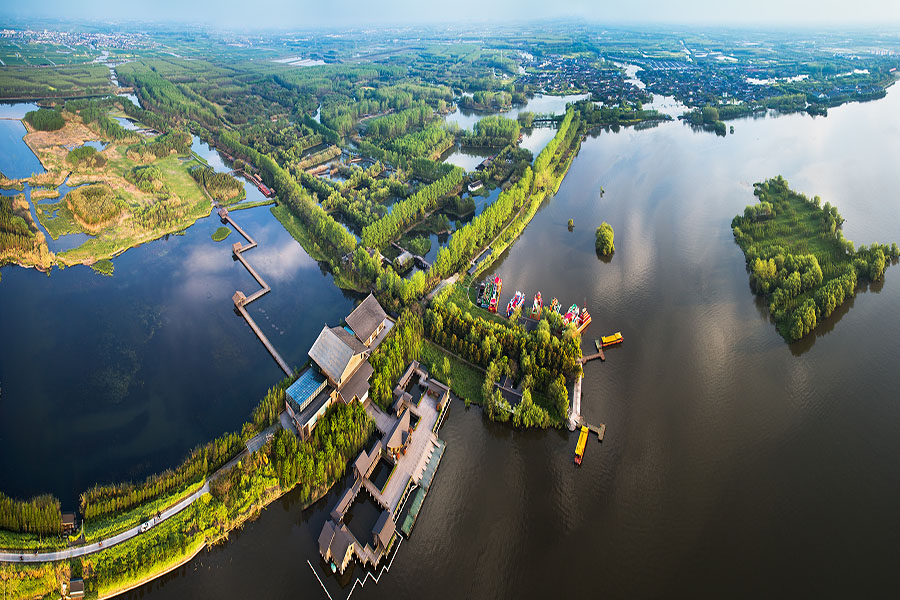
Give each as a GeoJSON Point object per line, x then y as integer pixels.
{"type": "Point", "coordinates": [40, 515]}
{"type": "Point", "coordinates": [45, 119]}
{"type": "Point", "coordinates": [392, 357]}
{"type": "Point", "coordinates": [410, 210]}
{"type": "Point", "coordinates": [493, 132]}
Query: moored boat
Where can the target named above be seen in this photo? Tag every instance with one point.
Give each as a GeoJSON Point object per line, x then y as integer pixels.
{"type": "Point", "coordinates": [554, 306]}
{"type": "Point", "coordinates": [582, 442]}
{"type": "Point", "coordinates": [570, 314]}
{"type": "Point", "coordinates": [514, 303]}
{"type": "Point", "coordinates": [537, 306]}
{"type": "Point", "coordinates": [611, 340]}
{"type": "Point", "coordinates": [583, 320]}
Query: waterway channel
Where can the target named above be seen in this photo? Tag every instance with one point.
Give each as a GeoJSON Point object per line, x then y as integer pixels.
{"type": "Point", "coordinates": [734, 464]}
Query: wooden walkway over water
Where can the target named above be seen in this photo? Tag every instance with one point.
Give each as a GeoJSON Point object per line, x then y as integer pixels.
{"type": "Point", "coordinates": [591, 357]}
{"type": "Point", "coordinates": [240, 300]}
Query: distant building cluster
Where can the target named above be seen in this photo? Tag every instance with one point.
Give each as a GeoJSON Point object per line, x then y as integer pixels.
{"type": "Point", "coordinates": [121, 40]}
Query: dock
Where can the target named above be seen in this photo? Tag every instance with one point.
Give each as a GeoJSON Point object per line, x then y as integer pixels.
{"type": "Point", "coordinates": [591, 357]}
{"type": "Point", "coordinates": [240, 299]}
{"type": "Point", "coordinates": [599, 430]}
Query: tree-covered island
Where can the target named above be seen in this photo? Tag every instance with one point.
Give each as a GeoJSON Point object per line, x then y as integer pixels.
{"type": "Point", "coordinates": [799, 259]}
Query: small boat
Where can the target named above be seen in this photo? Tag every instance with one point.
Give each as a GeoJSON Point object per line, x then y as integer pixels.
{"type": "Point", "coordinates": [498, 284]}
{"type": "Point", "coordinates": [611, 340]}
{"type": "Point", "coordinates": [493, 305]}
{"type": "Point", "coordinates": [579, 448]}
{"type": "Point", "coordinates": [570, 314]}
{"type": "Point", "coordinates": [537, 306]}
{"type": "Point", "coordinates": [554, 306]}
{"type": "Point", "coordinates": [480, 293]}
{"type": "Point", "coordinates": [583, 320]}
{"type": "Point", "coordinates": [514, 303]}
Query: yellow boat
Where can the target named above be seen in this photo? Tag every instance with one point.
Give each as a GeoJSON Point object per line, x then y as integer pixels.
{"type": "Point", "coordinates": [582, 441]}
{"type": "Point", "coordinates": [610, 340]}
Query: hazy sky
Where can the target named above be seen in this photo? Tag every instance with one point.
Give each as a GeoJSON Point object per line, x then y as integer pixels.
{"type": "Point", "coordinates": [306, 13]}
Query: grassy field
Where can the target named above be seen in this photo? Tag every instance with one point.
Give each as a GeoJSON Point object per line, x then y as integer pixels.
{"type": "Point", "coordinates": [464, 294]}
{"type": "Point", "coordinates": [57, 219]}
{"type": "Point", "coordinates": [246, 205]}
{"type": "Point", "coordinates": [465, 380]}
{"type": "Point", "coordinates": [30, 541]}
{"type": "Point", "coordinates": [127, 216]}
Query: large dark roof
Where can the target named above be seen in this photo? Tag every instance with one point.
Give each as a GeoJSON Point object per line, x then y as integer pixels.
{"type": "Point", "coordinates": [384, 528]}
{"type": "Point", "coordinates": [333, 350]}
{"type": "Point", "coordinates": [366, 318]}
{"type": "Point", "coordinates": [325, 537]}
{"type": "Point", "coordinates": [312, 408]}
{"type": "Point", "coordinates": [357, 385]}
{"type": "Point", "coordinates": [342, 540]}
{"type": "Point", "coordinates": [398, 433]}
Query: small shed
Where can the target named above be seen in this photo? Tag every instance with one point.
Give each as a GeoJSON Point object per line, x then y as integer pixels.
{"type": "Point", "coordinates": [76, 588]}
{"type": "Point", "coordinates": [68, 522]}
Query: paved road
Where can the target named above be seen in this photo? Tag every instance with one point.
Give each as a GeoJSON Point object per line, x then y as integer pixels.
{"type": "Point", "coordinates": [253, 444]}
{"type": "Point", "coordinates": [116, 539]}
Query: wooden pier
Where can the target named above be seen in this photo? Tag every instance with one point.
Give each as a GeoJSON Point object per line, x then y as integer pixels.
{"type": "Point", "coordinates": [599, 430]}
{"type": "Point", "coordinates": [240, 300]}
{"type": "Point", "coordinates": [591, 357]}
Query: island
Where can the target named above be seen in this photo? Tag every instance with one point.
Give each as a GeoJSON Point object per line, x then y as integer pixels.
{"type": "Point", "coordinates": [799, 259]}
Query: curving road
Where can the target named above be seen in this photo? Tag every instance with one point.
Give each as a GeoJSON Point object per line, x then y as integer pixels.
{"type": "Point", "coordinates": [112, 541]}
{"type": "Point", "coordinates": [253, 444]}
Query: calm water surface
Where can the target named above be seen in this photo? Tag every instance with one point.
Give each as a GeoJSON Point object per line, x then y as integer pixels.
{"type": "Point", "coordinates": [111, 378]}
{"type": "Point", "coordinates": [734, 465]}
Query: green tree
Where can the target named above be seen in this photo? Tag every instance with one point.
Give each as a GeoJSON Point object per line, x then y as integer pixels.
{"type": "Point", "coordinates": [604, 242]}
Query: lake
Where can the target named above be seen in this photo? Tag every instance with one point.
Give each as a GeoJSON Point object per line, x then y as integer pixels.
{"type": "Point", "coordinates": [734, 464]}
{"type": "Point", "coordinates": [114, 378]}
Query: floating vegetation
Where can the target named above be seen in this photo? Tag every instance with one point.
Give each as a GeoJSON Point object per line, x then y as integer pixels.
{"type": "Point", "coordinates": [220, 234]}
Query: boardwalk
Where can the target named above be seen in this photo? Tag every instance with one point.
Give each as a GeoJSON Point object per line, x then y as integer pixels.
{"type": "Point", "coordinates": [575, 414]}
{"type": "Point", "coordinates": [591, 357]}
{"type": "Point", "coordinates": [240, 300]}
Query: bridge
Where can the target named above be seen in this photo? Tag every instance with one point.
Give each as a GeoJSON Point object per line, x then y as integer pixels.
{"type": "Point", "coordinates": [240, 300]}
{"type": "Point", "coordinates": [419, 260]}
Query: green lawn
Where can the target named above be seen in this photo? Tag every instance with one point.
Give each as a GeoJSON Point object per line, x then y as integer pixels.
{"type": "Point", "coordinates": [465, 380]}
